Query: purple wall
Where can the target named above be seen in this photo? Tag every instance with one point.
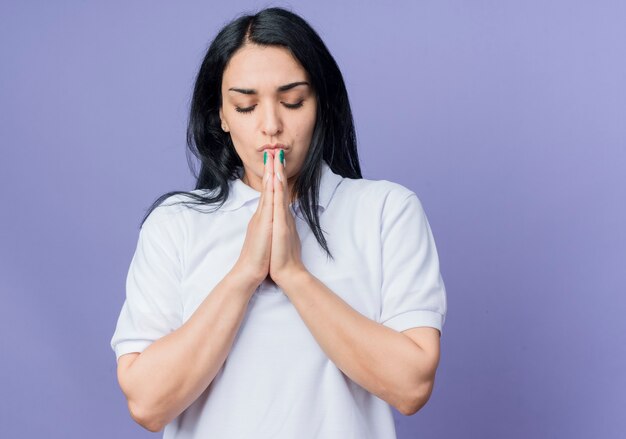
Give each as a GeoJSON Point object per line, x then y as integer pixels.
{"type": "Point", "coordinates": [508, 119]}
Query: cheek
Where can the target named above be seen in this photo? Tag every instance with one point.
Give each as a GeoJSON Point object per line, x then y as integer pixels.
{"type": "Point", "coordinates": [303, 135]}
{"type": "Point", "coordinates": [306, 125]}
{"type": "Point", "coordinates": [242, 129]}
{"type": "Point", "coordinates": [240, 122]}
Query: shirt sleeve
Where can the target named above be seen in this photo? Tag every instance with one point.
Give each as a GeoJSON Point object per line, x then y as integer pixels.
{"type": "Point", "coordinates": [413, 291]}
{"type": "Point", "coordinates": [153, 305]}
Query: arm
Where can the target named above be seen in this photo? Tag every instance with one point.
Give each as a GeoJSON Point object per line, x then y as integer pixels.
{"type": "Point", "coordinates": [173, 371]}
{"type": "Point", "coordinates": [389, 364]}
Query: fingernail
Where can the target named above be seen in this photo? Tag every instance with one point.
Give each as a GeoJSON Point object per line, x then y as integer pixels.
{"type": "Point", "coordinates": [281, 156]}
{"type": "Point", "coordinates": [264, 157]}
{"type": "Point", "coordinates": [279, 177]}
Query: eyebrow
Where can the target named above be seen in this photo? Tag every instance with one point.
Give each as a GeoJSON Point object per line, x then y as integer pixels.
{"type": "Point", "coordinates": [282, 88]}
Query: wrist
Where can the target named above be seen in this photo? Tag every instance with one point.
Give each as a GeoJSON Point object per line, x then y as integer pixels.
{"type": "Point", "coordinates": [291, 278]}
{"type": "Point", "coordinates": [244, 280]}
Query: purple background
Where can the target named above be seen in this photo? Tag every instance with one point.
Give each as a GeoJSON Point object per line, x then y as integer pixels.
{"type": "Point", "coordinates": [506, 118]}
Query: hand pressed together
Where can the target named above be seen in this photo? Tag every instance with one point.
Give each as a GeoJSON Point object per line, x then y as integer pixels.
{"type": "Point", "coordinates": [272, 245]}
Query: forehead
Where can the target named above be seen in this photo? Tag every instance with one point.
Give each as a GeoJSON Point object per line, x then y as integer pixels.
{"type": "Point", "coordinates": [262, 67]}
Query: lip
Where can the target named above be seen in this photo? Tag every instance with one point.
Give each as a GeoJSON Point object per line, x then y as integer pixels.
{"type": "Point", "coordinates": [273, 148]}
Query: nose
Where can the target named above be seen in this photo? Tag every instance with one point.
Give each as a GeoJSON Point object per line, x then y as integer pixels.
{"type": "Point", "coordinates": [271, 124]}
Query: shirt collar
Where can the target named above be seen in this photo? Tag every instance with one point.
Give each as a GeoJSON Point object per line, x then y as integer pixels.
{"type": "Point", "coordinates": [241, 193]}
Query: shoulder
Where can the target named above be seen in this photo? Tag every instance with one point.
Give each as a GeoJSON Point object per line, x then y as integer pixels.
{"type": "Point", "coordinates": [382, 194]}
{"type": "Point", "coordinates": [171, 211]}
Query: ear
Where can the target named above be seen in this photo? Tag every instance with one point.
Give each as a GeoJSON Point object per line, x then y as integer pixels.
{"type": "Point", "coordinates": [224, 124]}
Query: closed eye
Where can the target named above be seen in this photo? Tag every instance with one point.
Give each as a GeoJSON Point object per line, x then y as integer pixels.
{"type": "Point", "coordinates": [249, 109]}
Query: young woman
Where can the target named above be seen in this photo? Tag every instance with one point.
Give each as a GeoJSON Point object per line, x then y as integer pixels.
{"type": "Point", "coordinates": [286, 296]}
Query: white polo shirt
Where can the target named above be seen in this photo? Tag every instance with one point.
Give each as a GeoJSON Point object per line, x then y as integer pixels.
{"type": "Point", "coordinates": [276, 381]}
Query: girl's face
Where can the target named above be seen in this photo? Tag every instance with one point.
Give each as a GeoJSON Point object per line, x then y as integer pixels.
{"type": "Point", "coordinates": [267, 100]}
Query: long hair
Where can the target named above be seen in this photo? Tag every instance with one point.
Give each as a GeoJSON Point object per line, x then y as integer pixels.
{"type": "Point", "coordinates": [333, 139]}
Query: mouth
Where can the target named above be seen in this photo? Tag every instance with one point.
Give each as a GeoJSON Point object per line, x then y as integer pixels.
{"type": "Point", "coordinates": [273, 148]}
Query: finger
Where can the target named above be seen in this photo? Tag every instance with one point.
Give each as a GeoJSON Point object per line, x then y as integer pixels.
{"type": "Point", "coordinates": [285, 182]}
{"type": "Point", "coordinates": [280, 188]}
{"type": "Point", "coordinates": [267, 194]}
